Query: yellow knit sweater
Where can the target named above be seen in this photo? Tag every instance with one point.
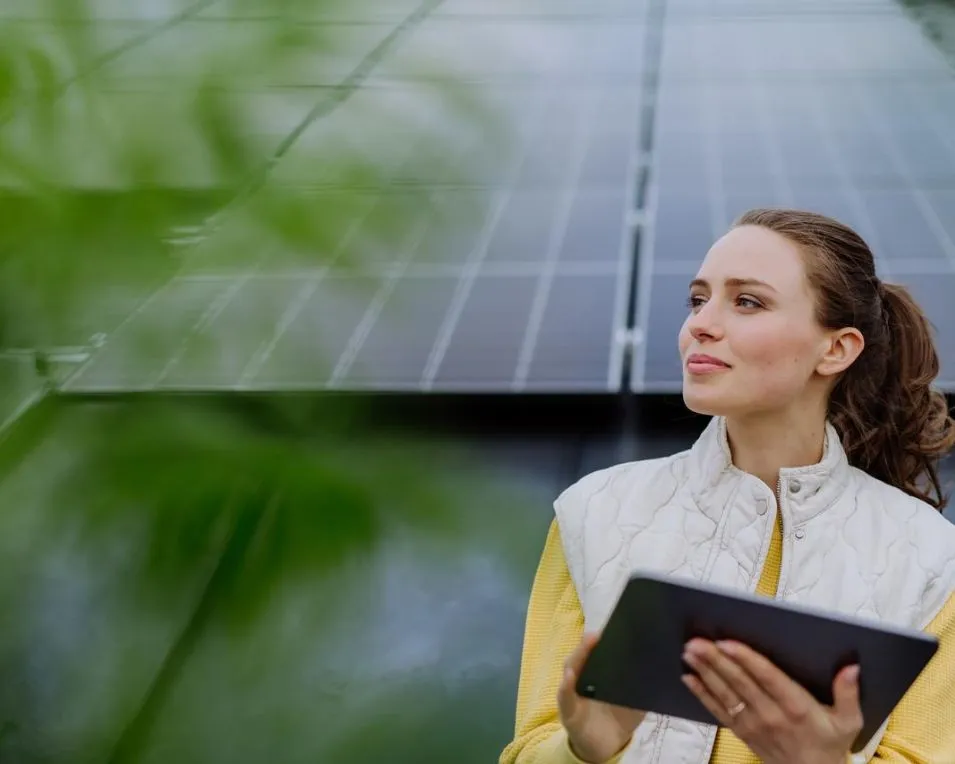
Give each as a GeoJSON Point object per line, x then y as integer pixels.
{"type": "Point", "coordinates": [921, 729]}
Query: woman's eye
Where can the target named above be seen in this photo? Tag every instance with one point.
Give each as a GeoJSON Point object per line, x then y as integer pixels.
{"type": "Point", "coordinates": [694, 301]}
{"type": "Point", "coordinates": [748, 302]}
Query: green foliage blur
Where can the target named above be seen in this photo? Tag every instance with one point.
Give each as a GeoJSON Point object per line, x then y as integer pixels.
{"type": "Point", "coordinates": [222, 577]}
{"type": "Point", "coordinates": [245, 122]}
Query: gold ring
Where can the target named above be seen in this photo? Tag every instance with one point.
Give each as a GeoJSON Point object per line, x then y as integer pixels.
{"type": "Point", "coordinates": [736, 710]}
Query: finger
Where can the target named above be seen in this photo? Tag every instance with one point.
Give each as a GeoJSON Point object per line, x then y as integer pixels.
{"type": "Point", "coordinates": [699, 654]}
{"type": "Point", "coordinates": [794, 699]}
{"type": "Point", "coordinates": [712, 705]}
{"type": "Point", "coordinates": [567, 698]}
{"type": "Point", "coordinates": [732, 673]}
{"type": "Point", "coordinates": [845, 693]}
{"type": "Point", "coordinates": [575, 661]}
{"type": "Point", "coordinates": [567, 691]}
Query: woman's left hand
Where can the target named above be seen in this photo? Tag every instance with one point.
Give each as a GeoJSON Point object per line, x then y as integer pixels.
{"type": "Point", "coordinates": [776, 717]}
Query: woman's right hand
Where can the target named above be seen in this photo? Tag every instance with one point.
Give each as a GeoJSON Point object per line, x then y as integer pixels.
{"type": "Point", "coordinates": [596, 731]}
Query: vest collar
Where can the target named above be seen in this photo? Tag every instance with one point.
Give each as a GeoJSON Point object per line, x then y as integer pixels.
{"type": "Point", "coordinates": [807, 490]}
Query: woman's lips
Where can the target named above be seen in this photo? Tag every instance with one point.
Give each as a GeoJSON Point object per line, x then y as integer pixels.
{"type": "Point", "coordinates": [705, 364]}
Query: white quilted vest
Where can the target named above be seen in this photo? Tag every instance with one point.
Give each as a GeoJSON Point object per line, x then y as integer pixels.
{"type": "Point", "coordinates": [851, 544]}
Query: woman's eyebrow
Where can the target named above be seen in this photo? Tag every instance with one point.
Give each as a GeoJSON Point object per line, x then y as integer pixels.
{"type": "Point", "coordinates": [733, 282]}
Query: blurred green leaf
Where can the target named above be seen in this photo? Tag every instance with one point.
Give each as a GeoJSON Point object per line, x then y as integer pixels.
{"type": "Point", "coordinates": [155, 550]}
{"type": "Point", "coordinates": [104, 157]}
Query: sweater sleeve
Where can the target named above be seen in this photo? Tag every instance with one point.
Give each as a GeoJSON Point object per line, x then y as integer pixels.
{"type": "Point", "coordinates": [554, 627]}
{"type": "Point", "coordinates": [921, 729]}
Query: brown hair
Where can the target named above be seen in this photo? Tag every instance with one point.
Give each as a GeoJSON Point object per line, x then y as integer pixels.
{"type": "Point", "coordinates": [893, 424]}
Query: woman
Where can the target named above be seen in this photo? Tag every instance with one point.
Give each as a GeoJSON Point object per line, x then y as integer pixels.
{"type": "Point", "coordinates": [814, 482]}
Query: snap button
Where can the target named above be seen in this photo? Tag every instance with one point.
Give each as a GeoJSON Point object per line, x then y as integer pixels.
{"type": "Point", "coordinates": [800, 533]}
{"type": "Point", "coordinates": [795, 486]}
{"type": "Point", "coordinates": [762, 506]}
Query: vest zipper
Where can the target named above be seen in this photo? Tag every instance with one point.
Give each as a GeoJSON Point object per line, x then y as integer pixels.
{"type": "Point", "coordinates": [782, 532]}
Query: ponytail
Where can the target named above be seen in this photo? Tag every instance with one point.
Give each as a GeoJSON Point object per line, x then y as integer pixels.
{"type": "Point", "coordinates": [894, 425]}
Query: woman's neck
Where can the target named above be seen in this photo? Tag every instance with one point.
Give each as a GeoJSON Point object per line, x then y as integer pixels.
{"type": "Point", "coordinates": [762, 446]}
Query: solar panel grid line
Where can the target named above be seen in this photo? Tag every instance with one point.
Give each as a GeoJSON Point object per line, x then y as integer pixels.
{"type": "Point", "coordinates": [208, 317]}
{"type": "Point", "coordinates": [632, 220]}
{"type": "Point", "coordinates": [124, 324]}
{"type": "Point", "coordinates": [182, 276]}
{"type": "Point", "coordinates": [676, 267]}
{"type": "Point", "coordinates": [214, 220]}
{"type": "Point", "coordinates": [504, 269]}
{"type": "Point", "coordinates": [647, 252]}
{"type": "Point", "coordinates": [325, 106]}
{"type": "Point", "coordinates": [476, 258]}
{"type": "Point", "coordinates": [111, 55]}
{"type": "Point", "coordinates": [292, 312]}
{"type": "Point", "coordinates": [644, 286]}
{"type": "Point", "coordinates": [359, 74]}
{"type": "Point", "coordinates": [643, 262]}
{"type": "Point", "coordinates": [915, 266]}
{"type": "Point", "coordinates": [360, 333]}
{"type": "Point", "coordinates": [219, 303]}
{"type": "Point", "coordinates": [288, 317]}
{"type": "Point", "coordinates": [80, 378]}
{"type": "Point", "coordinates": [849, 188]}
{"type": "Point", "coordinates": [332, 98]}
{"type": "Point", "coordinates": [928, 211]}
{"type": "Point", "coordinates": [715, 182]}
{"type": "Point", "coordinates": [932, 119]}
{"type": "Point", "coordinates": [372, 314]}
{"type": "Point", "coordinates": [820, 118]}
{"type": "Point", "coordinates": [712, 142]}
{"type": "Point", "coordinates": [413, 270]}
{"type": "Point", "coordinates": [585, 134]}
{"type": "Point", "coordinates": [777, 164]}
{"type": "Point", "coordinates": [315, 276]}
{"type": "Point", "coordinates": [463, 289]}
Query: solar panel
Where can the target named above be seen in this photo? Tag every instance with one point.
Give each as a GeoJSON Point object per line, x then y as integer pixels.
{"type": "Point", "coordinates": [514, 279]}
{"type": "Point", "coordinates": [846, 110]}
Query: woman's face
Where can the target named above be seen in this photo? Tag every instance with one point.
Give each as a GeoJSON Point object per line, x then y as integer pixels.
{"type": "Point", "coordinates": [751, 343]}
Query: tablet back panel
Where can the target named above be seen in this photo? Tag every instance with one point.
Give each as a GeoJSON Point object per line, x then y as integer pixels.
{"type": "Point", "coordinates": [638, 661]}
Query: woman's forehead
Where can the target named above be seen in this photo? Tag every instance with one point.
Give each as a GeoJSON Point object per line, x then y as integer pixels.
{"type": "Point", "coordinates": [749, 253]}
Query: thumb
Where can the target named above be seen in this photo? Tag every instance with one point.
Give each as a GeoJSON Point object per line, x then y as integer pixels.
{"type": "Point", "coordinates": [845, 693]}
{"type": "Point", "coordinates": [567, 692]}
{"type": "Point", "coordinates": [577, 659]}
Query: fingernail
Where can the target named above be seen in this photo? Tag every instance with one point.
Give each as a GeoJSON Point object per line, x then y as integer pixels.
{"type": "Point", "coordinates": [852, 673]}
{"type": "Point", "coordinates": [568, 676]}
{"type": "Point", "coordinates": [726, 647]}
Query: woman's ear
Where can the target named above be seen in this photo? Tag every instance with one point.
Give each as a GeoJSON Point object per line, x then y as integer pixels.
{"type": "Point", "coordinates": [842, 348]}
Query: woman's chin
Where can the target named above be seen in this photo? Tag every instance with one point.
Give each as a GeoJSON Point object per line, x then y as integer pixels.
{"type": "Point", "coordinates": [704, 399]}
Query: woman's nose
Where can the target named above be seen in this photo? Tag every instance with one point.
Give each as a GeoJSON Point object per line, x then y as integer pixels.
{"type": "Point", "coordinates": [705, 324]}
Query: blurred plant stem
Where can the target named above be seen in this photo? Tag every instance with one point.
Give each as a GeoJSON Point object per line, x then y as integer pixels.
{"type": "Point", "coordinates": [223, 579]}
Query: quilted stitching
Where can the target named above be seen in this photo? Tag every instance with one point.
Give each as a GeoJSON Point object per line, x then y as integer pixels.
{"type": "Point", "coordinates": [852, 544]}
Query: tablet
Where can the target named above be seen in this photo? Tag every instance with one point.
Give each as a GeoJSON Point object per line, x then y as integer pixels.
{"type": "Point", "coordinates": [638, 661]}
